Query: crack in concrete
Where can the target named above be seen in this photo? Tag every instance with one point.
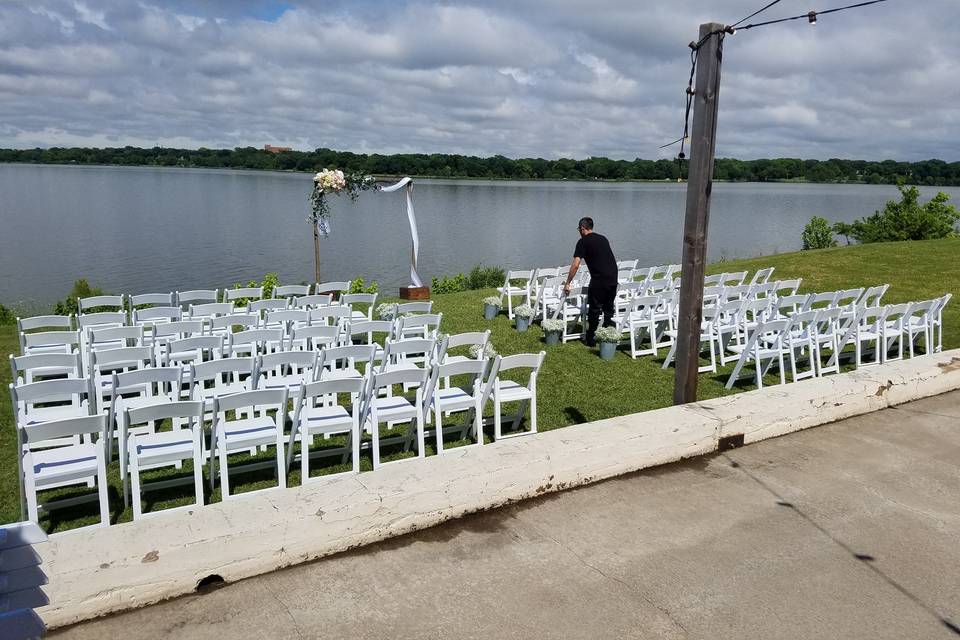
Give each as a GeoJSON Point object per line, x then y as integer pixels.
{"type": "Point", "coordinates": [286, 609]}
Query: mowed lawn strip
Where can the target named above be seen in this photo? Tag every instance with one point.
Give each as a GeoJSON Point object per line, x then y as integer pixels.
{"type": "Point", "coordinates": [575, 385]}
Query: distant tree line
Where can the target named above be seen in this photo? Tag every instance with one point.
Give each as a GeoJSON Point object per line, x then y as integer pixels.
{"type": "Point", "coordinates": [927, 172]}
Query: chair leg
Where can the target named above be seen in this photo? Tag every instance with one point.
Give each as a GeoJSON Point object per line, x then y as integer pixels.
{"type": "Point", "coordinates": [197, 471]}
{"type": "Point", "coordinates": [438, 426]}
{"type": "Point", "coordinates": [102, 489]}
{"type": "Point", "coordinates": [375, 435]}
{"type": "Point", "coordinates": [496, 415]}
{"type": "Point", "coordinates": [281, 466]}
{"type": "Point", "coordinates": [224, 472]}
{"type": "Point", "coordinates": [304, 456]}
{"type": "Point", "coordinates": [135, 489]}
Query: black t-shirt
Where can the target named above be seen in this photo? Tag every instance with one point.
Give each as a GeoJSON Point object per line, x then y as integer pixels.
{"type": "Point", "coordinates": [594, 249]}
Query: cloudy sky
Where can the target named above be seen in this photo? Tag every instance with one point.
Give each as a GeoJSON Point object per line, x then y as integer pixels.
{"type": "Point", "coordinates": [547, 78]}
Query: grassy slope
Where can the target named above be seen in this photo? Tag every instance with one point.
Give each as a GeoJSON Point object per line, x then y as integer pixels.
{"type": "Point", "coordinates": [576, 386]}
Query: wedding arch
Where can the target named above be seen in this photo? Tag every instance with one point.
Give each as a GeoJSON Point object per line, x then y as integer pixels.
{"type": "Point", "coordinates": [334, 182]}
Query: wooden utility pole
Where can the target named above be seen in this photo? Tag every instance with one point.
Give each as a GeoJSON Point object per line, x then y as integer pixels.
{"type": "Point", "coordinates": [699, 188]}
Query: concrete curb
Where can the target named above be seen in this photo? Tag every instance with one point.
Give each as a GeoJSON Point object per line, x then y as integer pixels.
{"type": "Point", "coordinates": [96, 572]}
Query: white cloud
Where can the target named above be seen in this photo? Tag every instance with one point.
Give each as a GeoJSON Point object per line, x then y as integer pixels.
{"type": "Point", "coordinates": [543, 78]}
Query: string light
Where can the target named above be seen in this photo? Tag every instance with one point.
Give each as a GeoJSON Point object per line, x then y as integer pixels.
{"type": "Point", "coordinates": [732, 29]}
{"type": "Point", "coordinates": [811, 16]}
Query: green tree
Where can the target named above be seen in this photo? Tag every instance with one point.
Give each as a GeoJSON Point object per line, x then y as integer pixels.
{"type": "Point", "coordinates": [817, 234]}
{"type": "Point", "coordinates": [908, 219]}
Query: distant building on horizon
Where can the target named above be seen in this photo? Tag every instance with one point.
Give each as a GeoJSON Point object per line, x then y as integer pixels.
{"type": "Point", "coordinates": [269, 148]}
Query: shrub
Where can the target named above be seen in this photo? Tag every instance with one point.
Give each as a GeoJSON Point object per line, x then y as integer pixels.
{"type": "Point", "coordinates": [906, 220]}
{"type": "Point", "coordinates": [481, 277]}
{"type": "Point", "coordinates": [358, 286]}
{"type": "Point", "coordinates": [450, 284]}
{"type": "Point", "coordinates": [6, 316]}
{"type": "Point", "coordinates": [81, 289]}
{"type": "Point", "coordinates": [817, 234]}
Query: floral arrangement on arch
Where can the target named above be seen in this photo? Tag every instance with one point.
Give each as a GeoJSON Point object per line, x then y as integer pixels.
{"type": "Point", "coordinates": [334, 182]}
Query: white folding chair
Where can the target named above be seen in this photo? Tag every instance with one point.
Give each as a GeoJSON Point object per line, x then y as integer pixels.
{"type": "Point", "coordinates": [286, 370]}
{"type": "Point", "coordinates": [766, 343]}
{"type": "Point", "coordinates": [762, 276]}
{"type": "Point", "coordinates": [333, 315]}
{"type": "Point", "coordinates": [639, 317]}
{"type": "Point", "coordinates": [227, 324]}
{"type": "Point", "coordinates": [142, 388]}
{"type": "Point", "coordinates": [196, 297]}
{"type": "Point", "coordinates": [286, 319]}
{"type": "Point", "coordinates": [242, 296]}
{"type": "Point", "coordinates": [426, 325]}
{"type": "Point", "coordinates": [268, 304]}
{"type": "Point", "coordinates": [894, 328]}
{"type": "Point", "coordinates": [145, 300]}
{"type": "Point", "coordinates": [44, 366]}
{"type": "Point", "coordinates": [872, 296]}
{"type": "Point", "coordinates": [141, 451]}
{"type": "Point", "coordinates": [258, 428]}
{"type": "Point", "coordinates": [938, 323]}
{"type": "Point", "coordinates": [291, 291]}
{"type": "Point", "coordinates": [51, 342]}
{"type": "Point", "coordinates": [381, 407]}
{"type": "Point", "coordinates": [334, 288]}
{"type": "Point", "coordinates": [50, 400]}
{"type": "Point", "coordinates": [457, 399]}
{"type": "Point", "coordinates": [163, 334]}
{"type": "Point", "coordinates": [255, 342]}
{"type": "Point", "coordinates": [41, 324]}
{"type": "Point", "coordinates": [516, 283]}
{"type": "Point", "coordinates": [342, 362]}
{"type": "Point", "coordinates": [474, 340]}
{"type": "Point", "coordinates": [311, 301]}
{"type": "Point", "coordinates": [104, 363]}
{"type": "Point", "coordinates": [708, 340]}
{"type": "Point", "coordinates": [114, 338]}
{"type": "Point", "coordinates": [504, 391]}
{"type": "Point", "coordinates": [356, 301]}
{"type": "Point", "coordinates": [220, 378]}
{"type": "Point", "coordinates": [104, 303]}
{"type": "Point", "coordinates": [313, 338]}
{"type": "Point", "coordinates": [919, 323]}
{"type": "Point", "coordinates": [787, 287]}
{"type": "Point", "coordinates": [183, 353]}
{"type": "Point", "coordinates": [80, 463]}
{"type": "Point", "coordinates": [411, 353]}
{"type": "Point", "coordinates": [317, 413]}
{"type": "Point", "coordinates": [209, 310]}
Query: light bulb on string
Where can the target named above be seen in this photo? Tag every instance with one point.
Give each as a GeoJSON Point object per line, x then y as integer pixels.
{"type": "Point", "coordinates": [812, 17]}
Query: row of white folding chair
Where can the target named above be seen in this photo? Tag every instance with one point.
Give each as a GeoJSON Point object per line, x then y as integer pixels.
{"type": "Point", "coordinates": [145, 448]}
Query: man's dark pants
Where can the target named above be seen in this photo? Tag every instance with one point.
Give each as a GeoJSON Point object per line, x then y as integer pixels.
{"type": "Point", "coordinates": [600, 299]}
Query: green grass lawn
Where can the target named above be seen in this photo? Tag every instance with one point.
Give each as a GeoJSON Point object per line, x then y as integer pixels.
{"type": "Point", "coordinates": [576, 385]}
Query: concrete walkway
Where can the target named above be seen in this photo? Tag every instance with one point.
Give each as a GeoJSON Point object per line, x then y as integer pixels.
{"type": "Point", "coordinates": [850, 530]}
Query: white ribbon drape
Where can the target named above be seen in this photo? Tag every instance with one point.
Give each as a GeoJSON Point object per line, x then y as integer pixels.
{"type": "Point", "coordinates": [408, 183]}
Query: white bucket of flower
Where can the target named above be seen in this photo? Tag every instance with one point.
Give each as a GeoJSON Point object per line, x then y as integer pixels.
{"type": "Point", "coordinates": [491, 307]}
{"type": "Point", "coordinates": [552, 328]}
{"type": "Point", "coordinates": [608, 338]}
{"type": "Point", "coordinates": [523, 315]}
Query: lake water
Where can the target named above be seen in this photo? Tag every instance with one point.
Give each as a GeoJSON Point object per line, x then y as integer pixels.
{"type": "Point", "coordinates": [139, 230]}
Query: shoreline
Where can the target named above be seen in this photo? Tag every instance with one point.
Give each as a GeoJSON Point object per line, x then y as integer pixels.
{"type": "Point", "coordinates": [462, 178]}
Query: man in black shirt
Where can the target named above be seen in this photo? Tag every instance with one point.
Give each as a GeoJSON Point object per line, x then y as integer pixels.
{"type": "Point", "coordinates": [594, 249]}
